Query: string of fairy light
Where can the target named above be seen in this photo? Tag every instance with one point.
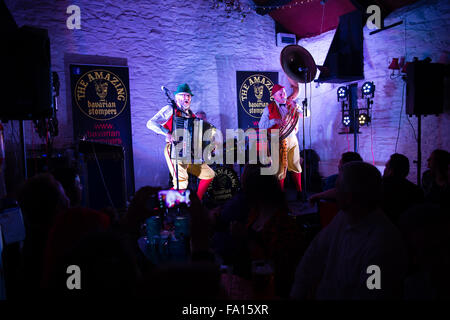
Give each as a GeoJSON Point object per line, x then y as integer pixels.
{"type": "Point", "coordinates": [243, 9]}
{"type": "Point", "coordinates": [285, 6]}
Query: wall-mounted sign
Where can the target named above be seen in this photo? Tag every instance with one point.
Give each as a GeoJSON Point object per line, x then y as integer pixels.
{"type": "Point", "coordinates": [253, 95]}
{"type": "Point", "coordinates": [101, 109]}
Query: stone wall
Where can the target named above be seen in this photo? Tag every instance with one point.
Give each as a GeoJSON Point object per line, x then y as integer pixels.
{"type": "Point", "coordinates": [165, 43]}
{"type": "Point", "coordinates": [171, 42]}
{"type": "Point", "coordinates": [424, 33]}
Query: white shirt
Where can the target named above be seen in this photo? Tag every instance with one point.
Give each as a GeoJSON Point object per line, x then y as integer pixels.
{"type": "Point", "coordinates": [156, 122]}
{"type": "Point", "coordinates": [337, 260]}
{"type": "Point", "coordinates": [266, 123]}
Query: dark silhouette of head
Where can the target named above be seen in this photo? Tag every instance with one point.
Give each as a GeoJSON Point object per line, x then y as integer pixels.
{"type": "Point", "coordinates": [425, 229]}
{"type": "Point", "coordinates": [262, 190]}
{"type": "Point", "coordinates": [347, 157]}
{"type": "Point", "coordinates": [41, 198]}
{"type": "Point", "coordinates": [311, 160]}
{"type": "Point", "coordinates": [70, 180]}
{"type": "Point", "coordinates": [144, 204]}
{"type": "Point", "coordinates": [397, 166]}
{"type": "Point", "coordinates": [438, 163]}
{"type": "Point", "coordinates": [359, 187]}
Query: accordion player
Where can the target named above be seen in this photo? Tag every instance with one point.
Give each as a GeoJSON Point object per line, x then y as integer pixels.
{"type": "Point", "coordinates": [164, 123]}
{"type": "Point", "coordinates": [192, 136]}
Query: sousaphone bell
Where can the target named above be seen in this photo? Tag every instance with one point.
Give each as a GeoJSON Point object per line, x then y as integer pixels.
{"type": "Point", "coordinates": [299, 66]}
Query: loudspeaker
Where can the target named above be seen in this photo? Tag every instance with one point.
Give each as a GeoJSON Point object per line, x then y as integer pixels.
{"type": "Point", "coordinates": [424, 88]}
{"type": "Point", "coordinates": [345, 61]}
{"type": "Point", "coordinates": [102, 174]}
{"type": "Point", "coordinates": [26, 75]}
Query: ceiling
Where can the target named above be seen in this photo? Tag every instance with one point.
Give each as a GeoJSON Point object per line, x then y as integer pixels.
{"type": "Point", "coordinates": [313, 17]}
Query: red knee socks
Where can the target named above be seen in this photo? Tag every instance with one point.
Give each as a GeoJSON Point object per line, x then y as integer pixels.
{"type": "Point", "coordinates": [202, 187]}
{"type": "Point", "coordinates": [298, 180]}
{"type": "Point", "coordinates": [282, 184]}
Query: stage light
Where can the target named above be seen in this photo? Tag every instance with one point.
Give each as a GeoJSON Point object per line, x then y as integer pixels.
{"type": "Point", "coordinates": [346, 120]}
{"type": "Point", "coordinates": [342, 93]}
{"type": "Point", "coordinates": [363, 119]}
{"type": "Point", "coordinates": [368, 89]}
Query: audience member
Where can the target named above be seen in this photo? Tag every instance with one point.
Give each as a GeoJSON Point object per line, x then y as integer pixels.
{"type": "Point", "coordinates": [329, 192]}
{"type": "Point", "coordinates": [330, 181]}
{"type": "Point", "coordinates": [268, 233]}
{"type": "Point", "coordinates": [254, 225]}
{"type": "Point", "coordinates": [337, 265]}
{"type": "Point", "coordinates": [398, 192]}
{"type": "Point", "coordinates": [235, 209]}
{"type": "Point", "coordinates": [310, 163]}
{"type": "Point", "coordinates": [197, 280]}
{"type": "Point", "coordinates": [107, 267]}
{"type": "Point", "coordinates": [435, 181]}
{"type": "Point", "coordinates": [143, 205]}
{"type": "Point", "coordinates": [70, 181]}
{"type": "Point", "coordinates": [72, 224]}
{"type": "Point", "coordinates": [70, 227]}
{"type": "Point", "coordinates": [41, 199]}
{"type": "Point", "coordinates": [426, 230]}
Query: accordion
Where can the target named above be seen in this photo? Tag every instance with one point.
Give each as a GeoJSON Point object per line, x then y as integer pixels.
{"type": "Point", "coordinates": [189, 135]}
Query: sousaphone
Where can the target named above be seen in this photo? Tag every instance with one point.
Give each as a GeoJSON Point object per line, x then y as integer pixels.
{"type": "Point", "coordinates": [299, 66]}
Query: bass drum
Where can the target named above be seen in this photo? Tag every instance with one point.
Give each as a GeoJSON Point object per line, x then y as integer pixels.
{"type": "Point", "coordinates": [224, 185]}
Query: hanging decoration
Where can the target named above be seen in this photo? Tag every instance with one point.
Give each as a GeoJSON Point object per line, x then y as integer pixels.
{"type": "Point", "coordinates": [240, 7]}
{"type": "Point", "coordinates": [243, 7]}
{"type": "Point", "coordinates": [286, 6]}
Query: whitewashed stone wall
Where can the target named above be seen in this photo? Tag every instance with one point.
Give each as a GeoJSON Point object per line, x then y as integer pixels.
{"type": "Point", "coordinates": [171, 42]}
{"type": "Point", "coordinates": [424, 33]}
{"type": "Point", "coordinates": [166, 43]}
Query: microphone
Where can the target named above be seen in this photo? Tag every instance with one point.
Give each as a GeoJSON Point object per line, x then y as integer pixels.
{"type": "Point", "coordinates": [164, 89]}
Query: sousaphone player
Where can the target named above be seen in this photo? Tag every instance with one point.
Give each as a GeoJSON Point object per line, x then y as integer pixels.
{"type": "Point", "coordinates": [283, 113]}
{"type": "Point", "coordinates": [274, 117]}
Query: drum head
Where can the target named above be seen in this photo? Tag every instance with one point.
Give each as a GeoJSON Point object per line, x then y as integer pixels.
{"type": "Point", "coordinates": [224, 186]}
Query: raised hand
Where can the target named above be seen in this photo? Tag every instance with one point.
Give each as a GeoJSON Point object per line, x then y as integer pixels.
{"type": "Point", "coordinates": [170, 137]}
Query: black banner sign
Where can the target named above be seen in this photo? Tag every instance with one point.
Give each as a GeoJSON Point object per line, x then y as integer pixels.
{"type": "Point", "coordinates": [253, 95]}
{"type": "Point", "coordinates": [101, 109]}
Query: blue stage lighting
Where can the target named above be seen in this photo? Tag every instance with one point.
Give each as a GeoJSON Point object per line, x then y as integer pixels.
{"type": "Point", "coordinates": [346, 121]}
{"type": "Point", "coordinates": [342, 93]}
{"type": "Point", "coordinates": [368, 89]}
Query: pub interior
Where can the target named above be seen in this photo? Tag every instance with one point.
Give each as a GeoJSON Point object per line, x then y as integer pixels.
{"type": "Point", "coordinates": [225, 150]}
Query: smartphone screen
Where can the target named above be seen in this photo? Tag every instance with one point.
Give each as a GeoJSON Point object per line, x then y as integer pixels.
{"type": "Point", "coordinates": [174, 198]}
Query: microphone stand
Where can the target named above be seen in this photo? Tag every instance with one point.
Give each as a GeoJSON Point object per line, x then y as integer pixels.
{"type": "Point", "coordinates": [304, 112]}
{"type": "Point", "coordinates": [174, 109]}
